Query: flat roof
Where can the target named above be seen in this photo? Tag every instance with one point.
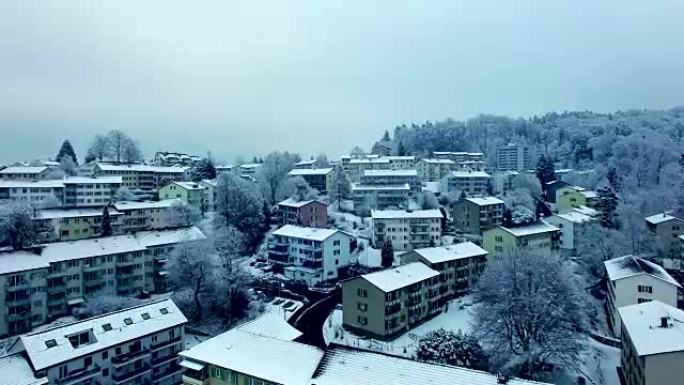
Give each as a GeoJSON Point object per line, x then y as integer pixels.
{"type": "Point", "coordinates": [100, 179]}
{"type": "Point", "coordinates": [189, 185]}
{"type": "Point", "coordinates": [469, 174]}
{"type": "Point", "coordinates": [643, 324]}
{"type": "Point", "coordinates": [21, 260]}
{"type": "Point", "coordinates": [291, 202]}
{"type": "Point", "coordinates": [390, 173]}
{"type": "Point", "coordinates": [73, 213]}
{"type": "Point", "coordinates": [401, 276]}
{"type": "Point", "coordinates": [451, 252]}
{"type": "Point", "coordinates": [271, 324]}
{"type": "Point", "coordinates": [23, 170]}
{"type": "Point", "coordinates": [535, 228]}
{"type": "Point", "coordinates": [367, 187]}
{"type": "Point", "coordinates": [485, 201]}
{"type": "Point", "coordinates": [51, 183]}
{"type": "Point", "coordinates": [630, 266]}
{"type": "Point", "coordinates": [393, 214]}
{"type": "Point", "coordinates": [142, 168]}
{"type": "Point", "coordinates": [574, 217]}
{"type": "Point", "coordinates": [310, 171]}
{"type": "Point", "coordinates": [132, 205]}
{"type": "Point", "coordinates": [309, 233]}
{"type": "Point", "coordinates": [660, 218]}
{"type": "Point", "coordinates": [438, 161]}
{"type": "Point", "coordinates": [166, 237]}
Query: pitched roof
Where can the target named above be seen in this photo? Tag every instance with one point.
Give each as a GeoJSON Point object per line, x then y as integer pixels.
{"type": "Point", "coordinates": [42, 356]}
{"type": "Point", "coordinates": [643, 324]}
{"type": "Point", "coordinates": [485, 201]}
{"type": "Point", "coordinates": [310, 233]}
{"type": "Point", "coordinates": [393, 214]}
{"type": "Point", "coordinates": [167, 237]}
{"type": "Point", "coordinates": [132, 205]}
{"type": "Point", "coordinates": [21, 260]}
{"type": "Point", "coordinates": [310, 171]}
{"type": "Point", "coordinates": [390, 173]}
{"type": "Point", "coordinates": [401, 276]}
{"type": "Point", "coordinates": [660, 218]}
{"type": "Point", "coordinates": [290, 202]}
{"type": "Point", "coordinates": [16, 370]}
{"type": "Point", "coordinates": [23, 170]}
{"type": "Point", "coordinates": [271, 324]}
{"type": "Point", "coordinates": [72, 213]}
{"type": "Point", "coordinates": [630, 266]}
{"type": "Point", "coordinates": [342, 365]}
{"type": "Point", "coordinates": [535, 228]}
{"type": "Point", "coordinates": [574, 217]}
{"type": "Point", "coordinates": [451, 252]}
{"type": "Point", "coordinates": [270, 359]}
{"type": "Point", "coordinates": [94, 247]}
{"type": "Point", "coordinates": [189, 185]}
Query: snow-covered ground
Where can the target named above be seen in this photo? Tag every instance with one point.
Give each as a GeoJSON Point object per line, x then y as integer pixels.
{"type": "Point", "coordinates": [457, 316]}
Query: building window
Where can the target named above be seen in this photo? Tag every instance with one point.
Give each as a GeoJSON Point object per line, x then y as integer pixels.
{"type": "Point", "coordinates": [645, 289]}
{"type": "Point", "coordinates": [362, 293]}
{"type": "Point", "coordinates": [642, 300]}
{"type": "Point", "coordinates": [362, 306]}
{"type": "Point", "coordinates": [362, 320]}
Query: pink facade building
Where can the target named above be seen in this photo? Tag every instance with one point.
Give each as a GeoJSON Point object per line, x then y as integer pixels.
{"type": "Point", "coordinates": [309, 213]}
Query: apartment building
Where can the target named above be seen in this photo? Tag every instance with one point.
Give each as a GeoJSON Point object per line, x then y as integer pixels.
{"type": "Point", "coordinates": [210, 191]}
{"type": "Point", "coordinates": [515, 157]}
{"type": "Point", "coordinates": [367, 198]}
{"type": "Point", "coordinates": [87, 192]}
{"type": "Point", "coordinates": [433, 170]}
{"type": "Point", "coordinates": [138, 345]}
{"type": "Point", "coordinates": [148, 215]}
{"type": "Point", "coordinates": [389, 302]}
{"type": "Point", "coordinates": [56, 225]}
{"type": "Point", "coordinates": [459, 156]}
{"type": "Point", "coordinates": [459, 266]}
{"type": "Point", "coordinates": [502, 181]}
{"type": "Point", "coordinates": [356, 167]}
{"type": "Point", "coordinates": [633, 280]}
{"type": "Point", "coordinates": [571, 225]}
{"type": "Point", "coordinates": [473, 183]}
{"type": "Point", "coordinates": [405, 162]}
{"type": "Point", "coordinates": [666, 229]}
{"type": "Point", "coordinates": [310, 255]}
{"type": "Point", "coordinates": [652, 344]}
{"type": "Point", "coordinates": [143, 177]}
{"type": "Point", "coordinates": [190, 193]}
{"type": "Point", "coordinates": [569, 197]}
{"type": "Point", "coordinates": [305, 164]}
{"type": "Point", "coordinates": [475, 215]}
{"type": "Point", "coordinates": [407, 230]}
{"type": "Point", "coordinates": [307, 213]}
{"type": "Point", "coordinates": [24, 173]}
{"type": "Point", "coordinates": [67, 192]}
{"type": "Point", "coordinates": [46, 282]}
{"type": "Point", "coordinates": [40, 193]}
{"type": "Point", "coordinates": [317, 178]}
{"type": "Point", "coordinates": [538, 237]}
{"type": "Point", "coordinates": [392, 178]}
{"type": "Point", "coordinates": [168, 159]}
{"type": "Point", "coordinates": [248, 170]}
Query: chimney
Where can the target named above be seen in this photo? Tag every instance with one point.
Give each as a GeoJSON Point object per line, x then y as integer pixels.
{"type": "Point", "coordinates": [663, 322]}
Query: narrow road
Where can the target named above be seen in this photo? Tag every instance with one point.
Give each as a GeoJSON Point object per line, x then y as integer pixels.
{"type": "Point", "coordinates": [311, 320]}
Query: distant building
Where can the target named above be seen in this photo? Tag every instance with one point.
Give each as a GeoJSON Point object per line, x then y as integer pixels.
{"type": "Point", "coordinates": [392, 178]}
{"type": "Point", "coordinates": [569, 197]}
{"type": "Point", "coordinates": [84, 191]}
{"type": "Point", "coordinates": [407, 162]}
{"type": "Point", "coordinates": [24, 173]}
{"type": "Point", "coordinates": [633, 280]}
{"type": "Point", "coordinates": [248, 170]}
{"type": "Point", "coordinates": [305, 164]}
{"type": "Point", "coordinates": [67, 192]}
{"type": "Point", "coordinates": [164, 158]}
{"type": "Point", "coordinates": [40, 193]}
{"type": "Point", "coordinates": [553, 187]}
{"type": "Point", "coordinates": [459, 157]}
{"type": "Point", "coordinates": [433, 170]}
{"type": "Point", "coordinates": [390, 302]}
{"type": "Point", "coordinates": [502, 181]}
{"type": "Point", "coordinates": [191, 193]}
{"type": "Point", "coordinates": [459, 265]}
{"type": "Point", "coordinates": [475, 215]}
{"type": "Point", "coordinates": [652, 344]}
{"type": "Point", "coordinates": [473, 183]}
{"type": "Point", "coordinates": [143, 177]}
{"type": "Point", "coordinates": [539, 237]}
{"type": "Point", "coordinates": [407, 230]}
{"type": "Point", "coordinates": [210, 192]}
{"type": "Point", "coordinates": [308, 213]}
{"type": "Point", "coordinates": [317, 178]}
{"type": "Point", "coordinates": [355, 167]}
{"type": "Point", "coordinates": [367, 198]}
{"type": "Point", "coordinates": [148, 215]}
{"type": "Point", "coordinates": [571, 225]}
{"type": "Point", "coordinates": [55, 225]}
{"type": "Point", "coordinates": [665, 229]}
{"type": "Point", "coordinates": [311, 255]}
{"type": "Point", "coordinates": [515, 157]}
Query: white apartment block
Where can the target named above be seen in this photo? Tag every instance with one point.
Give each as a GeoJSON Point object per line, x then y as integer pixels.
{"type": "Point", "coordinates": [138, 345]}
{"type": "Point", "coordinates": [55, 225]}
{"type": "Point", "coordinates": [46, 282]}
{"type": "Point", "coordinates": [143, 177]}
{"type": "Point", "coordinates": [473, 183]}
{"type": "Point", "coordinates": [24, 173]}
{"type": "Point", "coordinates": [85, 192]}
{"type": "Point", "coordinates": [67, 192]}
{"type": "Point", "coordinates": [515, 157]}
{"type": "Point", "coordinates": [165, 158]}
{"type": "Point", "coordinates": [633, 280]}
{"type": "Point", "coordinates": [433, 170]}
{"type": "Point", "coordinates": [652, 344]}
{"type": "Point", "coordinates": [392, 178]}
{"type": "Point", "coordinates": [41, 193]}
{"type": "Point", "coordinates": [356, 167]}
{"type": "Point", "coordinates": [149, 215]}
{"type": "Point", "coordinates": [210, 191]}
{"type": "Point", "coordinates": [367, 198]}
{"type": "Point", "coordinates": [407, 230]}
{"type": "Point", "coordinates": [571, 225]}
{"type": "Point", "coordinates": [309, 254]}
{"type": "Point", "coordinates": [407, 162]}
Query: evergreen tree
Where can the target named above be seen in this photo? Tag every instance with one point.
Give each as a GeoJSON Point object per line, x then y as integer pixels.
{"type": "Point", "coordinates": [386, 136]}
{"type": "Point", "coordinates": [106, 229]}
{"type": "Point", "coordinates": [401, 150]}
{"type": "Point", "coordinates": [615, 180]}
{"type": "Point", "coordinates": [545, 171]}
{"type": "Point", "coordinates": [387, 254]}
{"type": "Point", "coordinates": [66, 150]}
{"type": "Point", "coordinates": [205, 169]}
{"type": "Point", "coordinates": [606, 204]}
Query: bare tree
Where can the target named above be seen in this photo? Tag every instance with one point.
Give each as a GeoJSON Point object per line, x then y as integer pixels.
{"type": "Point", "coordinates": [184, 215]}
{"type": "Point", "coordinates": [274, 171]}
{"type": "Point", "coordinates": [192, 266]}
{"type": "Point", "coordinates": [16, 228]}
{"type": "Point", "coordinates": [98, 147]}
{"type": "Point", "coordinates": [116, 143]}
{"type": "Point", "coordinates": [130, 153]}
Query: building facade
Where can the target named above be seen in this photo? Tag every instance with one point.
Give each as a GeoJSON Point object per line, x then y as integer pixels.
{"type": "Point", "coordinates": [572, 225]}
{"type": "Point", "coordinates": [41, 193]}
{"type": "Point", "coordinates": [539, 237]}
{"type": "Point", "coordinates": [433, 170]}
{"type": "Point", "coordinates": [476, 215]}
{"type": "Point", "coordinates": [149, 215]}
{"type": "Point", "coordinates": [515, 157]}
{"type": "Point", "coordinates": [392, 178]}
{"type": "Point", "coordinates": [190, 193]}
{"type": "Point", "coordinates": [407, 230]}
{"type": "Point", "coordinates": [317, 178]}
{"type": "Point", "coordinates": [569, 197]}
{"type": "Point", "coordinates": [143, 177]}
{"type": "Point", "coordinates": [357, 166]}
{"type": "Point", "coordinates": [89, 192]}
{"type": "Point", "coordinates": [167, 159]}
{"type": "Point", "coordinates": [367, 198]}
{"type": "Point", "coordinates": [57, 225]}
{"type": "Point", "coordinates": [665, 229]}
{"type": "Point", "coordinates": [307, 213]}
{"type": "Point", "coordinates": [473, 183]}
{"type": "Point", "coordinates": [24, 173]}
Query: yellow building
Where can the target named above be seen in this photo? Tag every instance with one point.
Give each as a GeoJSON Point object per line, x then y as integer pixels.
{"type": "Point", "coordinates": [569, 197]}
{"type": "Point", "coordinates": [189, 192]}
{"type": "Point", "coordinates": [540, 237]}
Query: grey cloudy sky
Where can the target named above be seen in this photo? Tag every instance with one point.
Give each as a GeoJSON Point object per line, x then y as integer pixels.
{"type": "Point", "coordinates": [308, 76]}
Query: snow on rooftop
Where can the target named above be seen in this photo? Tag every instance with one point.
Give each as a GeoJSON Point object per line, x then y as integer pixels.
{"type": "Point", "coordinates": [369, 161]}
{"type": "Point", "coordinates": [309, 233]}
{"type": "Point", "coordinates": [437, 161]}
{"type": "Point", "coordinates": [643, 323]}
{"type": "Point", "coordinates": [390, 173]}
{"type": "Point", "coordinates": [51, 183]}
{"type": "Point", "coordinates": [72, 213]}
{"type": "Point", "coordinates": [42, 356]}
{"type": "Point", "coordinates": [290, 202]}
{"type": "Point", "coordinates": [270, 359]}
{"type": "Point", "coordinates": [585, 210]}
{"type": "Point", "coordinates": [142, 168]}
{"type": "Point", "coordinates": [401, 276]}
{"type": "Point", "coordinates": [16, 370]}
{"type": "Point", "coordinates": [366, 187]}
{"type": "Point", "coordinates": [272, 325]}
{"type": "Point", "coordinates": [23, 170]}
{"type": "Point", "coordinates": [95, 180]}
{"type": "Point", "coordinates": [189, 185]}
{"type": "Point", "coordinates": [535, 228]}
{"type": "Point", "coordinates": [451, 252]}
{"type": "Point", "coordinates": [589, 193]}
{"type": "Point", "coordinates": [574, 217]}
{"type": "Point", "coordinates": [629, 266]}
{"type": "Point", "coordinates": [86, 248]}
{"type": "Point", "coordinates": [485, 201]}
{"type": "Point", "coordinates": [310, 171]}
{"type": "Point", "coordinates": [399, 157]}
{"type": "Point", "coordinates": [394, 214]}
{"type": "Point", "coordinates": [167, 237]}
{"type": "Point", "coordinates": [132, 205]}
{"type": "Point", "coordinates": [210, 182]}
{"type": "Point", "coordinates": [21, 260]}
{"type": "Point", "coordinates": [250, 165]}
{"type": "Point", "coordinates": [469, 174]}
{"type": "Point", "coordinates": [342, 365]}
{"type": "Point", "coordinates": [659, 218]}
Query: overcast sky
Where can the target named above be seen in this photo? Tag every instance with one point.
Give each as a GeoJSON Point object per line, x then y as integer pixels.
{"type": "Point", "coordinates": [253, 76]}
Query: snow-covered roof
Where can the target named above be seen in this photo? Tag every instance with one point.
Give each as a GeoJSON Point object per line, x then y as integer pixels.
{"type": "Point", "coordinates": [310, 171]}
{"type": "Point", "coordinates": [51, 183]}
{"type": "Point", "coordinates": [342, 365]}
{"type": "Point", "coordinates": [574, 217]}
{"type": "Point", "coordinates": [630, 266]}
{"type": "Point", "coordinates": [167, 237]}
{"type": "Point", "coordinates": [21, 260]}
{"type": "Point", "coordinates": [469, 174]}
{"type": "Point", "coordinates": [431, 186]}
{"type": "Point", "coordinates": [643, 323]}
{"type": "Point", "coordinates": [42, 356]}
{"type": "Point", "coordinates": [272, 325]}
{"type": "Point", "coordinates": [309, 233]}
{"type": "Point", "coordinates": [457, 153]}
{"type": "Point", "coordinates": [250, 165]}
{"type": "Point", "coordinates": [659, 218]}
{"type": "Point", "coordinates": [23, 170]}
{"type": "Point", "coordinates": [366, 187]}
{"type": "Point", "coordinates": [189, 185]}
{"type": "Point", "coordinates": [535, 228]}
{"type": "Point", "coordinates": [305, 162]}
{"type": "Point", "coordinates": [451, 252]}
{"type": "Point", "coordinates": [290, 202]}
{"type": "Point", "coordinates": [97, 180]}
{"type": "Point", "coordinates": [132, 205]}
{"type": "Point", "coordinates": [390, 173]}
{"type": "Point", "coordinates": [72, 213]}
{"type": "Point", "coordinates": [401, 276]}
{"type": "Point", "coordinates": [400, 157]}
{"type": "Point", "coordinates": [16, 370]}
{"type": "Point", "coordinates": [585, 210]}
{"type": "Point", "coordinates": [485, 201]}
{"type": "Point", "coordinates": [589, 193]}
{"type": "Point", "coordinates": [437, 161]}
{"type": "Point", "coordinates": [142, 168]}
{"type": "Point", "coordinates": [392, 214]}
{"type": "Point", "coordinates": [369, 160]}
{"type": "Point", "coordinates": [87, 248]}
{"type": "Point", "coordinates": [270, 359]}
{"type": "Point", "coordinates": [210, 182]}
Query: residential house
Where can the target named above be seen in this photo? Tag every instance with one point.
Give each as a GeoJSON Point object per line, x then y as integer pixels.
{"type": "Point", "coordinates": [307, 213]}
{"type": "Point", "coordinates": [459, 265]}
{"type": "Point", "coordinates": [367, 198]}
{"type": "Point", "coordinates": [356, 167]}
{"type": "Point", "coordinates": [633, 280]}
{"type": "Point", "coordinates": [392, 178]}
{"type": "Point", "coordinates": [433, 170]}
{"type": "Point", "coordinates": [477, 214]}
{"type": "Point", "coordinates": [211, 189]}
{"type": "Point", "coordinates": [652, 344]}
{"type": "Point", "coordinates": [149, 215]}
{"type": "Point", "coordinates": [317, 178]}
{"type": "Point", "coordinates": [167, 159]}
{"type": "Point", "coordinates": [502, 181]}
{"type": "Point", "coordinates": [24, 173]}
{"type": "Point", "coordinates": [406, 230]}
{"type": "Point", "coordinates": [666, 229]}
{"type": "Point", "coordinates": [539, 237]}
{"type": "Point", "coordinates": [406, 162]}
{"type": "Point", "coordinates": [569, 197]}
{"type": "Point", "coordinates": [387, 303]}
{"type": "Point", "coordinates": [515, 157]}
{"type": "Point", "coordinates": [473, 183]}
{"type": "Point", "coordinates": [571, 225]}
{"type": "Point", "coordinates": [190, 193]}
{"type": "Point", "coordinates": [308, 254]}
{"type": "Point", "coordinates": [305, 164]}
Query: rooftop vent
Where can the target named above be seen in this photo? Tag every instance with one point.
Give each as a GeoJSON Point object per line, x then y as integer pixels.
{"type": "Point", "coordinates": [663, 322]}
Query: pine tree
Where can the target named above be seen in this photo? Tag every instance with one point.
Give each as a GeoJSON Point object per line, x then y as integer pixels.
{"type": "Point", "coordinates": [545, 171]}
{"type": "Point", "coordinates": [67, 150]}
{"type": "Point", "coordinates": [106, 229]}
{"type": "Point", "coordinates": [606, 204]}
{"type": "Point", "coordinates": [614, 180]}
{"type": "Point", "coordinates": [401, 150]}
{"type": "Point", "coordinates": [387, 254]}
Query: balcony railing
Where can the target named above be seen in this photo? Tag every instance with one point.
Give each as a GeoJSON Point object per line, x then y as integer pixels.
{"type": "Point", "coordinates": [123, 359]}
{"type": "Point", "coordinates": [163, 344]}
{"type": "Point", "coordinates": [123, 377]}
{"type": "Point", "coordinates": [171, 370]}
{"type": "Point", "coordinates": [79, 375]}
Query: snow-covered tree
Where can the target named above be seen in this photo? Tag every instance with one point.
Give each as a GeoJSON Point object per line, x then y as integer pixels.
{"type": "Point", "coordinates": [614, 180]}
{"type": "Point", "coordinates": [594, 244]}
{"type": "Point", "coordinates": [99, 148]}
{"type": "Point", "coordinates": [184, 215]}
{"type": "Point", "coordinates": [321, 161]}
{"type": "Point", "coordinates": [427, 200]}
{"type": "Point", "coordinates": [104, 301]}
{"type": "Point", "coordinates": [50, 202]}
{"type": "Point", "coordinates": [106, 229]}
{"type": "Point", "coordinates": [357, 152]}
{"type": "Point", "coordinates": [67, 165]}
{"type": "Point", "coordinates": [239, 204]}
{"type": "Point", "coordinates": [121, 148]}
{"type": "Point", "coordinates": [229, 243]}
{"type": "Point", "coordinates": [66, 150]}
{"type": "Point", "coordinates": [123, 193]}
{"type": "Point", "coordinates": [295, 188]}
{"type": "Point", "coordinates": [204, 170]}
{"type": "Point", "coordinates": [192, 266]}
{"type": "Point", "coordinates": [606, 204]}
{"type": "Point", "coordinates": [273, 172]}
{"type": "Point", "coordinates": [387, 254]}
{"type": "Point", "coordinates": [340, 186]}
{"type": "Point", "coordinates": [545, 171]}
{"type": "Point", "coordinates": [16, 228]}
{"type": "Point", "coordinates": [130, 152]}
{"type": "Point", "coordinates": [450, 348]}
{"type": "Point", "coordinates": [530, 313]}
